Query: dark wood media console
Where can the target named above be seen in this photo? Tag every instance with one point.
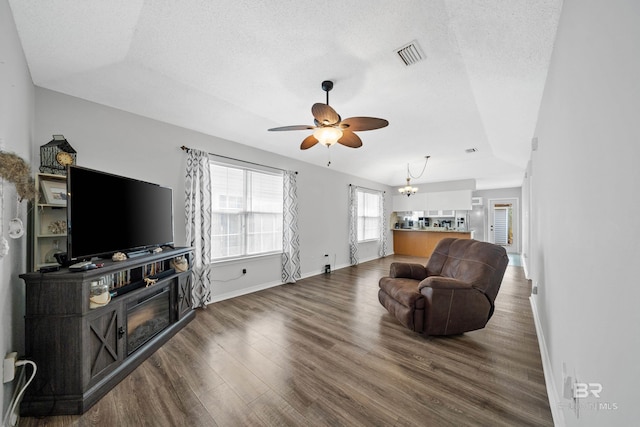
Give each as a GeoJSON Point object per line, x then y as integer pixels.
{"type": "Point", "coordinates": [82, 353]}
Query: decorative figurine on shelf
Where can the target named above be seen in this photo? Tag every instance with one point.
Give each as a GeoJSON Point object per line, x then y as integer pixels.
{"type": "Point", "coordinates": [149, 282]}
{"type": "Point", "coordinates": [56, 155]}
{"type": "Point", "coordinates": [118, 256]}
{"type": "Point", "coordinates": [180, 264]}
{"type": "Point", "coordinates": [58, 227]}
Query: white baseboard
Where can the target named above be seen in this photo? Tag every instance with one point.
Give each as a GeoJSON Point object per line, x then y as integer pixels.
{"type": "Point", "coordinates": [243, 291]}
{"type": "Point", "coordinates": [369, 259]}
{"type": "Point", "coordinates": [552, 392]}
{"type": "Point", "coordinates": [523, 258]}
{"type": "Point", "coordinates": [263, 286]}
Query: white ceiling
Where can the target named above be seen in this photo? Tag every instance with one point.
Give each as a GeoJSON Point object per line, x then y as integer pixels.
{"type": "Point", "coordinates": [234, 68]}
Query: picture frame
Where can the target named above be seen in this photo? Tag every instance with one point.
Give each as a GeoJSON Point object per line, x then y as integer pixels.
{"type": "Point", "coordinates": [55, 192]}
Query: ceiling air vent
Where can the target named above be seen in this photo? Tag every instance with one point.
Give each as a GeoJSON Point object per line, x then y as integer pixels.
{"type": "Point", "coordinates": [411, 53]}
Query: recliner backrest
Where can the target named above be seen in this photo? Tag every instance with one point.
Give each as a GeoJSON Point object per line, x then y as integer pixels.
{"type": "Point", "coordinates": [480, 264]}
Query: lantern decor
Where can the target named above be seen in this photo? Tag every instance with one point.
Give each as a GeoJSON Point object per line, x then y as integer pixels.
{"type": "Point", "coordinates": [56, 155]}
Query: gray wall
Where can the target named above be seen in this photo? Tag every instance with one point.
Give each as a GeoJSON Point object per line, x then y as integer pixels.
{"type": "Point", "coordinates": [583, 176]}
{"type": "Point", "coordinates": [499, 193]}
{"type": "Point", "coordinates": [127, 144]}
{"type": "Point", "coordinates": [586, 164]}
{"type": "Point", "coordinates": [16, 124]}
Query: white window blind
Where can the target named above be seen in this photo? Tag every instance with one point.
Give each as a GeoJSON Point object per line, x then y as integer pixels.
{"type": "Point", "coordinates": [501, 226]}
{"type": "Point", "coordinates": [368, 215]}
{"type": "Point", "coordinates": [246, 212]}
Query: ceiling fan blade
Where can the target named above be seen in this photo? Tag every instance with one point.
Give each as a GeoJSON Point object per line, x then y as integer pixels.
{"type": "Point", "coordinates": [355, 124]}
{"type": "Point", "coordinates": [309, 142]}
{"type": "Point", "coordinates": [324, 114]}
{"type": "Point", "coordinates": [350, 139]}
{"type": "Point", "coordinates": [295, 127]}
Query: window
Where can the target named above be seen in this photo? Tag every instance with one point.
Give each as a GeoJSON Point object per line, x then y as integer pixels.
{"type": "Point", "coordinates": [246, 212]}
{"type": "Point", "coordinates": [369, 215]}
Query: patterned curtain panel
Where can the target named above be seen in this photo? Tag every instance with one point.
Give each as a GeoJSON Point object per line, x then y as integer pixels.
{"type": "Point", "coordinates": [353, 224]}
{"type": "Point", "coordinates": [290, 238]}
{"type": "Point", "coordinates": [384, 225]}
{"type": "Point", "coordinates": [198, 222]}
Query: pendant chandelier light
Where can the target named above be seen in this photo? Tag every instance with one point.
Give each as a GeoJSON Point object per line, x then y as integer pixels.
{"type": "Point", "coordinates": [408, 189]}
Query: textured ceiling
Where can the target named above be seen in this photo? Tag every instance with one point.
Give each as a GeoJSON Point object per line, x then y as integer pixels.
{"type": "Point", "coordinates": [234, 68]}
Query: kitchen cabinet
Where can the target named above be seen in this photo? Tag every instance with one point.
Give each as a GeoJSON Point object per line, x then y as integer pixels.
{"type": "Point", "coordinates": [442, 203]}
{"type": "Point", "coordinates": [459, 200]}
{"type": "Point", "coordinates": [443, 213]}
{"type": "Point", "coordinates": [421, 242]}
{"type": "Point", "coordinates": [416, 202]}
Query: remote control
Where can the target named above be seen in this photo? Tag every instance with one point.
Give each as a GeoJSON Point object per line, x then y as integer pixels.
{"type": "Point", "coordinates": [80, 266]}
{"type": "Point", "coordinates": [48, 269]}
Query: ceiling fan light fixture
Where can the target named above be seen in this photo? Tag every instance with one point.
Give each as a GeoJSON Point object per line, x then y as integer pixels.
{"type": "Point", "coordinates": [327, 135]}
{"type": "Point", "coordinates": [330, 128]}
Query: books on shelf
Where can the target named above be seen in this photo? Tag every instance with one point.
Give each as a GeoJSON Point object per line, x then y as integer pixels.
{"type": "Point", "coordinates": [152, 269]}
{"type": "Point", "coordinates": [119, 279]}
{"type": "Point", "coordinates": [124, 277]}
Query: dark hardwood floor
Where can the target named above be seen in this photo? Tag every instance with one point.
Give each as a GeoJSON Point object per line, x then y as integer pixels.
{"type": "Point", "coordinates": [325, 352]}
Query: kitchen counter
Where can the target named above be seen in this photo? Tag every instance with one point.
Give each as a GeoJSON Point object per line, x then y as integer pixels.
{"type": "Point", "coordinates": [422, 242]}
{"type": "Point", "coordinates": [432, 230]}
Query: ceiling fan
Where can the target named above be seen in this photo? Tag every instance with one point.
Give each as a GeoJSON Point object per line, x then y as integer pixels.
{"type": "Point", "coordinates": [330, 128]}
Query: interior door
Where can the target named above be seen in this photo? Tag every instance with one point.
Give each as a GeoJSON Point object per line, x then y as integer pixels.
{"type": "Point", "coordinates": [501, 226]}
{"type": "Point", "coordinates": [503, 223]}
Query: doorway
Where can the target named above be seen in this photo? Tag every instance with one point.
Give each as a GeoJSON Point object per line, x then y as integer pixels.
{"type": "Point", "coordinates": [503, 224]}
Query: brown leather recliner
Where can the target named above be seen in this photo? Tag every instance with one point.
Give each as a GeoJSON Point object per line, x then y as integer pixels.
{"type": "Point", "coordinates": [453, 294]}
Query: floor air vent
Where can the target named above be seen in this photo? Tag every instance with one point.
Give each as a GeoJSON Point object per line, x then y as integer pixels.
{"type": "Point", "coordinates": [411, 53]}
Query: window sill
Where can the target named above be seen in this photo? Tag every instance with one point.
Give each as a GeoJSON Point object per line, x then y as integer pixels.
{"type": "Point", "coordinates": [369, 240]}
{"type": "Point", "coordinates": [244, 258]}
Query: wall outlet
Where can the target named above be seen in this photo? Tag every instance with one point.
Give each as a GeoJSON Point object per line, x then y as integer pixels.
{"type": "Point", "coordinates": [9, 368]}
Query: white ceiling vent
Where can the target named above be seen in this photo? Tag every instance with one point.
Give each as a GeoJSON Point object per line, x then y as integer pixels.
{"type": "Point", "coordinates": [411, 53]}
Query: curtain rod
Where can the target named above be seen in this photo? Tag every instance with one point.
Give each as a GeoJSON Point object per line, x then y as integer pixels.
{"type": "Point", "coordinates": [187, 149]}
{"type": "Point", "coordinates": [370, 189]}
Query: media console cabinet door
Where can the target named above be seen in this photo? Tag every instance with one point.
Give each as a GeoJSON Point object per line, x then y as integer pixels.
{"type": "Point", "coordinates": [104, 338]}
{"type": "Point", "coordinates": [184, 294]}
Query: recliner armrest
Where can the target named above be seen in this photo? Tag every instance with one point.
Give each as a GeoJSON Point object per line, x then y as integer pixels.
{"type": "Point", "coordinates": [441, 282]}
{"type": "Point", "coordinates": [405, 270]}
{"type": "Point", "coordinates": [453, 306]}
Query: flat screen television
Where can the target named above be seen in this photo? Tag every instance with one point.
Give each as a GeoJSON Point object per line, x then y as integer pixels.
{"type": "Point", "coordinates": [108, 213]}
